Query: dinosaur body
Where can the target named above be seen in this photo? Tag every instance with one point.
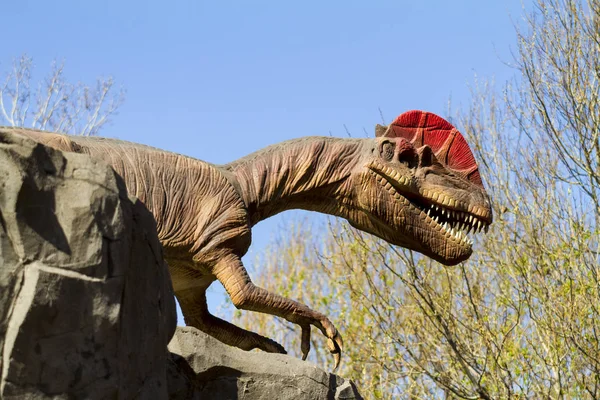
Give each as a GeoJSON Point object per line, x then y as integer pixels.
{"type": "Point", "coordinates": [392, 186]}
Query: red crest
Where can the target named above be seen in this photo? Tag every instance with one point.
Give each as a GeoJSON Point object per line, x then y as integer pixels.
{"type": "Point", "coordinates": [450, 147]}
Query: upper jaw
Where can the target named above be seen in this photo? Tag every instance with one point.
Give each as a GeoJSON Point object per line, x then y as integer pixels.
{"type": "Point", "coordinates": [449, 219]}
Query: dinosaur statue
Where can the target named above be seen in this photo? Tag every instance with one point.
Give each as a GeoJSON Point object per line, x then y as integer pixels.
{"type": "Point", "coordinates": [415, 185]}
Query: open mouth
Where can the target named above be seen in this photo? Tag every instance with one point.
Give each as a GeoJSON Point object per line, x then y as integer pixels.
{"type": "Point", "coordinates": [450, 218]}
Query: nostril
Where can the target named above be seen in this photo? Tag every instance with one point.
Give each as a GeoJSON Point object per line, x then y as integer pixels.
{"type": "Point", "coordinates": [425, 156]}
{"type": "Point", "coordinates": [408, 157]}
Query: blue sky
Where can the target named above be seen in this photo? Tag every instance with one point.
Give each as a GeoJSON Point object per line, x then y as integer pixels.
{"type": "Point", "coordinates": [218, 80]}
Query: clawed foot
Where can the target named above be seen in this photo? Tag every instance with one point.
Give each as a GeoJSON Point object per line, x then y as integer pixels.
{"type": "Point", "coordinates": [335, 344]}
{"type": "Point", "coordinates": [264, 344]}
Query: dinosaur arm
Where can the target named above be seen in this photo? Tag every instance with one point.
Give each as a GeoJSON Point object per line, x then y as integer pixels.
{"type": "Point", "coordinates": [246, 296]}
{"type": "Point", "coordinates": [195, 311]}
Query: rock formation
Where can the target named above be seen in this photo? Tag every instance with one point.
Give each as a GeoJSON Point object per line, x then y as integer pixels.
{"type": "Point", "coordinates": [86, 304]}
{"type": "Point", "coordinates": [202, 368]}
{"type": "Point", "coordinates": [86, 307]}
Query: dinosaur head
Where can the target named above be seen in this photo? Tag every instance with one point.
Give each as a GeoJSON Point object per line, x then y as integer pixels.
{"type": "Point", "coordinates": [419, 187]}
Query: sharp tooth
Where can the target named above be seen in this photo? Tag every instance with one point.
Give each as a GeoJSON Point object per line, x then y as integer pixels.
{"type": "Point", "coordinates": [478, 226]}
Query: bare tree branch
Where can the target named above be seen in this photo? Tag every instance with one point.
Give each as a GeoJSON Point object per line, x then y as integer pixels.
{"type": "Point", "coordinates": [57, 104]}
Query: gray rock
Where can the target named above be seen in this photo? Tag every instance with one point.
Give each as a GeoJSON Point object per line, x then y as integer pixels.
{"type": "Point", "coordinates": [86, 304]}
{"type": "Point", "coordinates": [204, 368]}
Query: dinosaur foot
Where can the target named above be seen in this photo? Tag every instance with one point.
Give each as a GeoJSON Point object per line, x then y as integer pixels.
{"type": "Point", "coordinates": [247, 340]}
{"type": "Point", "coordinates": [265, 344]}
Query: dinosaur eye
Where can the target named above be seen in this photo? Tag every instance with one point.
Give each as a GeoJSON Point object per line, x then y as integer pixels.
{"type": "Point", "coordinates": [387, 151]}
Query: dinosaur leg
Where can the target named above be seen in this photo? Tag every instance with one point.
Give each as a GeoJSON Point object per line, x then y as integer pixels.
{"type": "Point", "coordinates": [245, 295]}
{"type": "Point", "coordinates": [196, 314]}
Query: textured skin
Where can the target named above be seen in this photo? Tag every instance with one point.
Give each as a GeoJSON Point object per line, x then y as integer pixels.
{"type": "Point", "coordinates": [386, 186]}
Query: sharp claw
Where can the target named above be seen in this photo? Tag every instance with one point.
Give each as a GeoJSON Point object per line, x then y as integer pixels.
{"type": "Point", "coordinates": [337, 357]}
{"type": "Point", "coordinates": [336, 345]}
{"type": "Point", "coordinates": [305, 344]}
{"type": "Point", "coordinates": [340, 342]}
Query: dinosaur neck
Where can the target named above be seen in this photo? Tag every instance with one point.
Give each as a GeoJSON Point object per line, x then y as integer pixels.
{"type": "Point", "coordinates": [309, 173]}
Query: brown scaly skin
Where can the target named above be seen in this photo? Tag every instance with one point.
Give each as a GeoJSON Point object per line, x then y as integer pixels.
{"type": "Point", "coordinates": [204, 213]}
